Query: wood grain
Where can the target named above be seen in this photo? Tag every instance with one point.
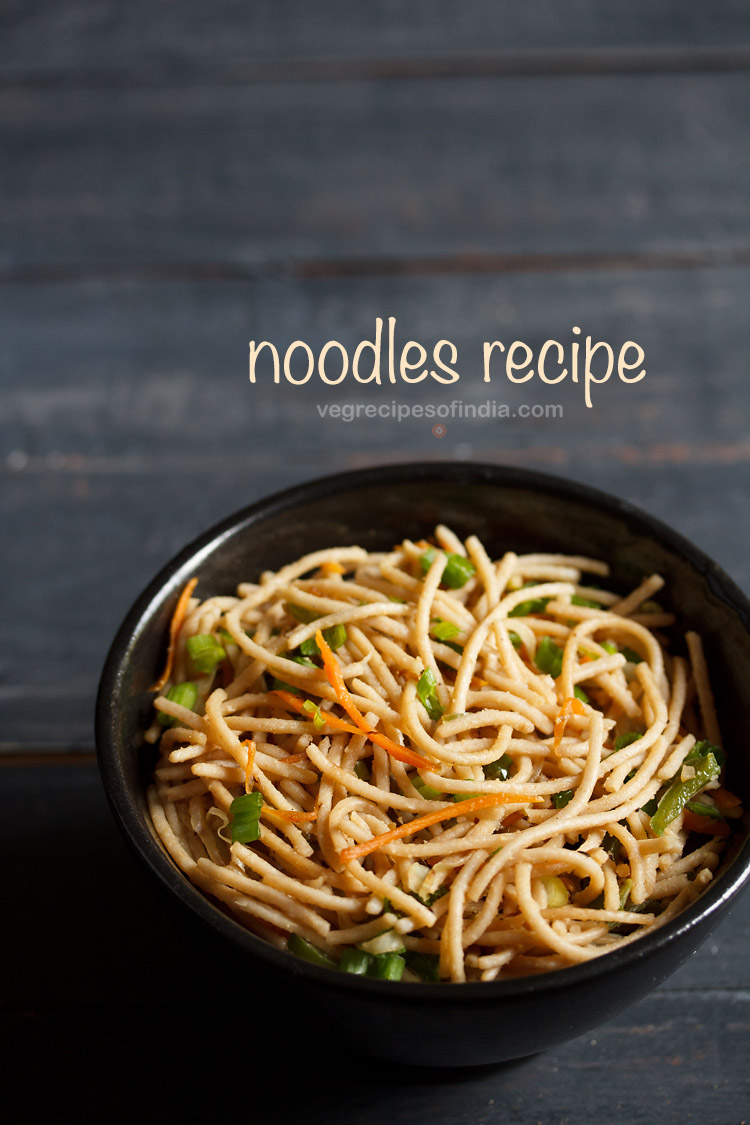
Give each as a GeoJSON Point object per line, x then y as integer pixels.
{"type": "Point", "coordinates": [264, 177]}
{"type": "Point", "coordinates": [46, 38]}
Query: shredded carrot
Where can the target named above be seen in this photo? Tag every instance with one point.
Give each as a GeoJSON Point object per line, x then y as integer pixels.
{"type": "Point", "coordinates": [249, 764]}
{"type": "Point", "coordinates": [336, 680]}
{"type": "Point", "coordinates": [571, 706]}
{"type": "Point", "coordinates": [294, 816]}
{"type": "Point", "coordinates": [724, 799]}
{"type": "Point", "coordinates": [332, 568]}
{"type": "Point", "coordinates": [464, 808]}
{"type": "Point", "coordinates": [175, 625]}
{"type": "Point", "coordinates": [708, 825]}
{"type": "Point", "coordinates": [331, 720]}
{"type": "Point", "coordinates": [292, 759]}
{"type": "Point", "coordinates": [400, 753]}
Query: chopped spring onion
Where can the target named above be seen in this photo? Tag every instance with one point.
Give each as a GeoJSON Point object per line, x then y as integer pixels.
{"type": "Point", "coordinates": [514, 638]}
{"type": "Point", "coordinates": [362, 770]}
{"type": "Point", "coordinates": [282, 685]}
{"type": "Point", "coordinates": [185, 694]}
{"type": "Point", "coordinates": [425, 965]}
{"type": "Point", "coordinates": [458, 569]}
{"type": "Point", "coordinates": [302, 613]}
{"type": "Point", "coordinates": [557, 892]}
{"type": "Point", "coordinates": [465, 796]}
{"type": "Point", "coordinates": [334, 637]}
{"type": "Point", "coordinates": [579, 693]}
{"type": "Point", "coordinates": [609, 646]}
{"type": "Point", "coordinates": [680, 792]}
{"type": "Point", "coordinates": [561, 799]}
{"type": "Point", "coordinates": [576, 599]}
{"type": "Point", "coordinates": [314, 710]}
{"type": "Point", "coordinates": [309, 952]}
{"type": "Point", "coordinates": [226, 637]}
{"type": "Point", "coordinates": [431, 898]}
{"type": "Point", "coordinates": [445, 631]}
{"type": "Point", "coordinates": [631, 655]}
{"type": "Point", "coordinates": [427, 792]}
{"type": "Point", "coordinates": [388, 966]}
{"type": "Point", "coordinates": [245, 813]}
{"type": "Point", "coordinates": [388, 942]}
{"type": "Point", "coordinates": [298, 658]}
{"type": "Point", "coordinates": [427, 694]}
{"type": "Point", "coordinates": [205, 652]}
{"type": "Point", "coordinates": [700, 749]}
{"type": "Point", "coordinates": [526, 609]}
{"type": "Point", "coordinates": [356, 961]}
{"type": "Point", "coordinates": [549, 657]}
{"type": "Point", "coordinates": [499, 770]}
{"type": "Point", "coordinates": [624, 740]}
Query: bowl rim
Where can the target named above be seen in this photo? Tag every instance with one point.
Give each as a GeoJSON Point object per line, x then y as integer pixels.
{"type": "Point", "coordinates": [172, 576]}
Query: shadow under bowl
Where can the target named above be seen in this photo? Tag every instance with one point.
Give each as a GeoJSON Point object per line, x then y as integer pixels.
{"type": "Point", "coordinates": [508, 508]}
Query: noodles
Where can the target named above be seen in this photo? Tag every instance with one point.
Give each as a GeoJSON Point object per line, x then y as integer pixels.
{"type": "Point", "coordinates": [425, 764]}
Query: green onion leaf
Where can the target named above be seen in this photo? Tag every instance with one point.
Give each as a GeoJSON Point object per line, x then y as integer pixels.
{"type": "Point", "coordinates": [356, 961]}
{"type": "Point", "coordinates": [298, 658]}
{"type": "Point", "coordinates": [427, 694]}
{"type": "Point", "coordinates": [362, 770]}
{"type": "Point", "coordinates": [458, 569]}
{"type": "Point", "coordinates": [335, 637]}
{"type": "Point", "coordinates": [245, 813]}
{"type": "Point", "coordinates": [680, 792]}
{"type": "Point", "coordinates": [631, 655]}
{"type": "Point", "coordinates": [704, 810]}
{"type": "Point", "coordinates": [579, 693]}
{"type": "Point", "coordinates": [549, 657]}
{"type": "Point", "coordinates": [611, 844]}
{"type": "Point", "coordinates": [609, 646]}
{"type": "Point", "coordinates": [388, 966]}
{"type": "Point", "coordinates": [526, 609]}
{"type": "Point", "coordinates": [499, 770]}
{"type": "Point", "coordinates": [700, 749]}
{"type": "Point", "coordinates": [185, 694]}
{"type": "Point", "coordinates": [443, 630]}
{"type": "Point", "coordinates": [427, 792]}
{"type": "Point", "coordinates": [205, 652]}
{"type": "Point", "coordinates": [302, 613]}
{"type": "Point", "coordinates": [514, 638]}
{"type": "Point", "coordinates": [282, 685]}
{"type": "Point", "coordinates": [425, 965]}
{"type": "Point", "coordinates": [624, 740]}
{"type": "Point", "coordinates": [576, 599]}
{"type": "Point", "coordinates": [465, 796]}
{"type": "Point", "coordinates": [314, 710]}
{"type": "Point", "coordinates": [309, 952]}
{"type": "Point", "coordinates": [560, 800]}
{"type": "Point", "coordinates": [227, 638]}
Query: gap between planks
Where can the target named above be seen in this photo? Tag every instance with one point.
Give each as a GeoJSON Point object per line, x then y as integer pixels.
{"type": "Point", "coordinates": [312, 269]}
{"type": "Point", "coordinates": [517, 63]}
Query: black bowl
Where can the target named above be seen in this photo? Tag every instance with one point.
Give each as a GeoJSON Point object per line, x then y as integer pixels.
{"type": "Point", "coordinates": [434, 1024]}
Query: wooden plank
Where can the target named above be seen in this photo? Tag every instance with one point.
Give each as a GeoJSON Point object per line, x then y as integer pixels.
{"type": "Point", "coordinates": [271, 177]}
{"type": "Point", "coordinates": [674, 1058]}
{"type": "Point", "coordinates": [82, 37]}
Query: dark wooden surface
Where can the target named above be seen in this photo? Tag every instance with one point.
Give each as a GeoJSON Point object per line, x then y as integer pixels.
{"type": "Point", "coordinates": [176, 181]}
